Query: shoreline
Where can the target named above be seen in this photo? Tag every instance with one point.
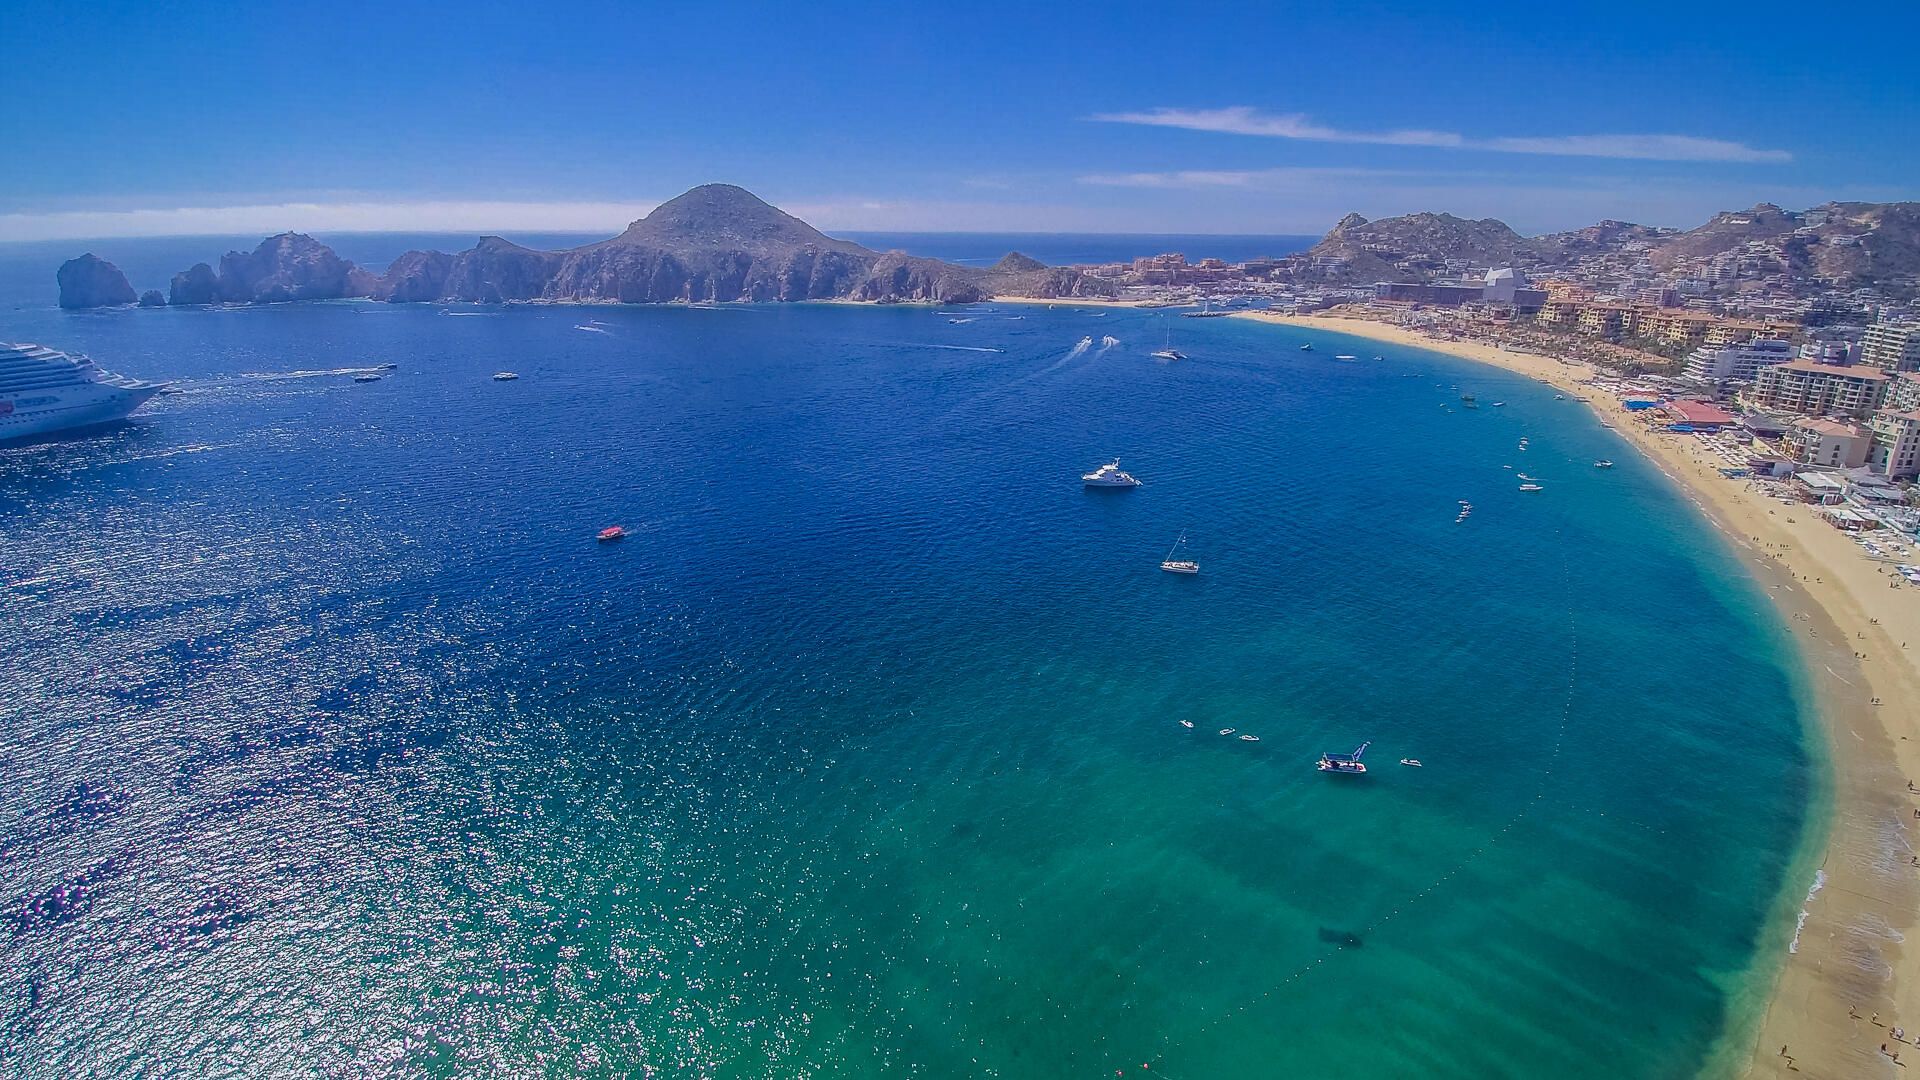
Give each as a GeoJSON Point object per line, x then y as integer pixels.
{"type": "Point", "coordinates": [1832, 944]}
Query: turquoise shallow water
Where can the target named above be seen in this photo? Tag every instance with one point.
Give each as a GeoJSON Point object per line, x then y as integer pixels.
{"type": "Point", "coordinates": [336, 745]}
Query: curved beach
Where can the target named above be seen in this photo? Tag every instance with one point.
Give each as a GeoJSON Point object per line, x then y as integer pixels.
{"type": "Point", "coordinates": [1843, 983]}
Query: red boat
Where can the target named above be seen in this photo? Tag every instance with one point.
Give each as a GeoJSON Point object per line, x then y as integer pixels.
{"type": "Point", "coordinates": [612, 533]}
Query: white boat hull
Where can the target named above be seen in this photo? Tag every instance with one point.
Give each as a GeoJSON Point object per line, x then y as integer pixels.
{"type": "Point", "coordinates": [33, 413]}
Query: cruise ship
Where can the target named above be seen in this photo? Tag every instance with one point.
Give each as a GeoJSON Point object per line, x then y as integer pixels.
{"type": "Point", "coordinates": [44, 390]}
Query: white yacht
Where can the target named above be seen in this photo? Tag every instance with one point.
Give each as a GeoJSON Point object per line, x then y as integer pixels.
{"type": "Point", "coordinates": [504, 376]}
{"type": "Point", "coordinates": [44, 390]}
{"type": "Point", "coordinates": [1109, 475]}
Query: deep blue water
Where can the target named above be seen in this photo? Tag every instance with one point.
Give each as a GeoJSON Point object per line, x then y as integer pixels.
{"type": "Point", "coordinates": [335, 745]}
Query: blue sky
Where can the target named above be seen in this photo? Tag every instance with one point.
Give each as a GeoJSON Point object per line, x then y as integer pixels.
{"type": "Point", "coordinates": [171, 118]}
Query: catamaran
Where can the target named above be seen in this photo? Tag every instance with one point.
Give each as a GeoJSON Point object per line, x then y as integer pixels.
{"type": "Point", "coordinates": [1178, 566]}
{"type": "Point", "coordinates": [1344, 763]}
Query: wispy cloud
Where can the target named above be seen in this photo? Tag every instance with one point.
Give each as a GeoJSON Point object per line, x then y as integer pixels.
{"type": "Point", "coordinates": [1246, 120]}
{"type": "Point", "coordinates": [1193, 179]}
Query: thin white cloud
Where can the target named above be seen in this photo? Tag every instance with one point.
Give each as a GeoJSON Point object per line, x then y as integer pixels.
{"type": "Point", "coordinates": [352, 216]}
{"type": "Point", "coordinates": [1246, 120]}
{"type": "Point", "coordinates": [1196, 179]}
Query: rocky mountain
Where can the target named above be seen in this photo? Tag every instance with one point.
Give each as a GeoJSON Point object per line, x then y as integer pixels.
{"type": "Point", "coordinates": [1425, 238]}
{"type": "Point", "coordinates": [90, 282]}
{"type": "Point", "coordinates": [714, 243]}
{"type": "Point", "coordinates": [1603, 238]}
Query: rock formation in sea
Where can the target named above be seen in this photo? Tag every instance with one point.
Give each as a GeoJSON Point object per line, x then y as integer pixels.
{"type": "Point", "coordinates": [153, 298]}
{"type": "Point", "coordinates": [90, 282]}
{"type": "Point", "coordinates": [196, 285]}
{"type": "Point", "coordinates": [714, 243]}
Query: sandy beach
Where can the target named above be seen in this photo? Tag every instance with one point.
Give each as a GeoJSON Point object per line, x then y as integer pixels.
{"type": "Point", "coordinates": [1846, 984]}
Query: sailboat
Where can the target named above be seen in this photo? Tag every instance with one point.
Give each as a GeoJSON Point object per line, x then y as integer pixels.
{"type": "Point", "coordinates": [1169, 353]}
{"type": "Point", "coordinates": [1178, 566]}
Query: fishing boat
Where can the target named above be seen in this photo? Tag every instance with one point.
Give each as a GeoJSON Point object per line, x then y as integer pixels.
{"type": "Point", "coordinates": [1344, 763]}
{"type": "Point", "coordinates": [1169, 353]}
{"type": "Point", "coordinates": [1178, 566]}
{"type": "Point", "coordinates": [611, 533]}
{"type": "Point", "coordinates": [1531, 487]}
{"type": "Point", "coordinates": [1412, 761]}
{"type": "Point", "coordinates": [1603, 463]}
{"type": "Point", "coordinates": [1109, 476]}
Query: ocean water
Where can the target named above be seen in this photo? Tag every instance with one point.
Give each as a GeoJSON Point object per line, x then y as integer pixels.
{"type": "Point", "coordinates": [334, 745]}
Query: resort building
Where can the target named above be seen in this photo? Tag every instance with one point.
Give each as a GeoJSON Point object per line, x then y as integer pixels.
{"type": "Point", "coordinates": [1505, 286]}
{"type": "Point", "coordinates": [1736, 363]}
{"type": "Point", "coordinates": [1830, 443]}
{"type": "Point", "coordinates": [1895, 452]}
{"type": "Point", "coordinates": [1892, 347]}
{"type": "Point", "coordinates": [1810, 389]}
{"type": "Point", "coordinates": [1903, 392]}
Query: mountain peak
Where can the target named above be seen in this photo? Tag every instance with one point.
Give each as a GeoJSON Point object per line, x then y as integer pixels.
{"type": "Point", "coordinates": [729, 217]}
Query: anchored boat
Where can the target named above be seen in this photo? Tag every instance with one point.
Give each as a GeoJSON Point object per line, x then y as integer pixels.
{"type": "Point", "coordinates": [1178, 566]}
{"type": "Point", "coordinates": [1344, 763]}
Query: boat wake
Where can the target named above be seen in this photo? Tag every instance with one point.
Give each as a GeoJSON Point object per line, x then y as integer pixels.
{"type": "Point", "coordinates": [277, 376]}
{"type": "Point", "coordinates": [1106, 343]}
{"type": "Point", "coordinates": [590, 329]}
{"type": "Point", "coordinates": [956, 348]}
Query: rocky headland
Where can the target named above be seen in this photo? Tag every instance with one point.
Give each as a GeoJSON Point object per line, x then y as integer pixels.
{"type": "Point", "coordinates": [714, 243]}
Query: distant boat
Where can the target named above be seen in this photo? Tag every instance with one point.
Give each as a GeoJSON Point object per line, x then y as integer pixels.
{"type": "Point", "coordinates": [1415, 762]}
{"type": "Point", "coordinates": [1109, 476]}
{"type": "Point", "coordinates": [1346, 357]}
{"type": "Point", "coordinates": [1531, 487]}
{"type": "Point", "coordinates": [366, 376]}
{"type": "Point", "coordinates": [1308, 347]}
{"type": "Point", "coordinates": [1249, 738]}
{"type": "Point", "coordinates": [1603, 463]}
{"type": "Point", "coordinates": [1344, 763]}
{"type": "Point", "coordinates": [504, 376]}
{"type": "Point", "coordinates": [1379, 358]}
{"type": "Point", "coordinates": [1467, 402]}
{"type": "Point", "coordinates": [1169, 353]}
{"type": "Point", "coordinates": [1178, 566]}
{"type": "Point", "coordinates": [612, 533]}
{"type": "Point", "coordinates": [1186, 723]}
{"type": "Point", "coordinates": [1499, 404]}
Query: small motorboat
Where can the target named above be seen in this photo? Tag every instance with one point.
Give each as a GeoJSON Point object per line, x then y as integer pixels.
{"type": "Point", "coordinates": [504, 376]}
{"type": "Point", "coordinates": [1346, 358]}
{"type": "Point", "coordinates": [1499, 404]}
{"type": "Point", "coordinates": [366, 376]}
{"type": "Point", "coordinates": [611, 533]}
{"type": "Point", "coordinates": [1412, 761]}
{"type": "Point", "coordinates": [1603, 463]}
{"type": "Point", "coordinates": [1249, 738]}
{"type": "Point", "coordinates": [1186, 723]}
{"type": "Point", "coordinates": [1308, 347]}
{"type": "Point", "coordinates": [1531, 487]}
{"type": "Point", "coordinates": [1379, 358]}
{"type": "Point", "coordinates": [1227, 731]}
